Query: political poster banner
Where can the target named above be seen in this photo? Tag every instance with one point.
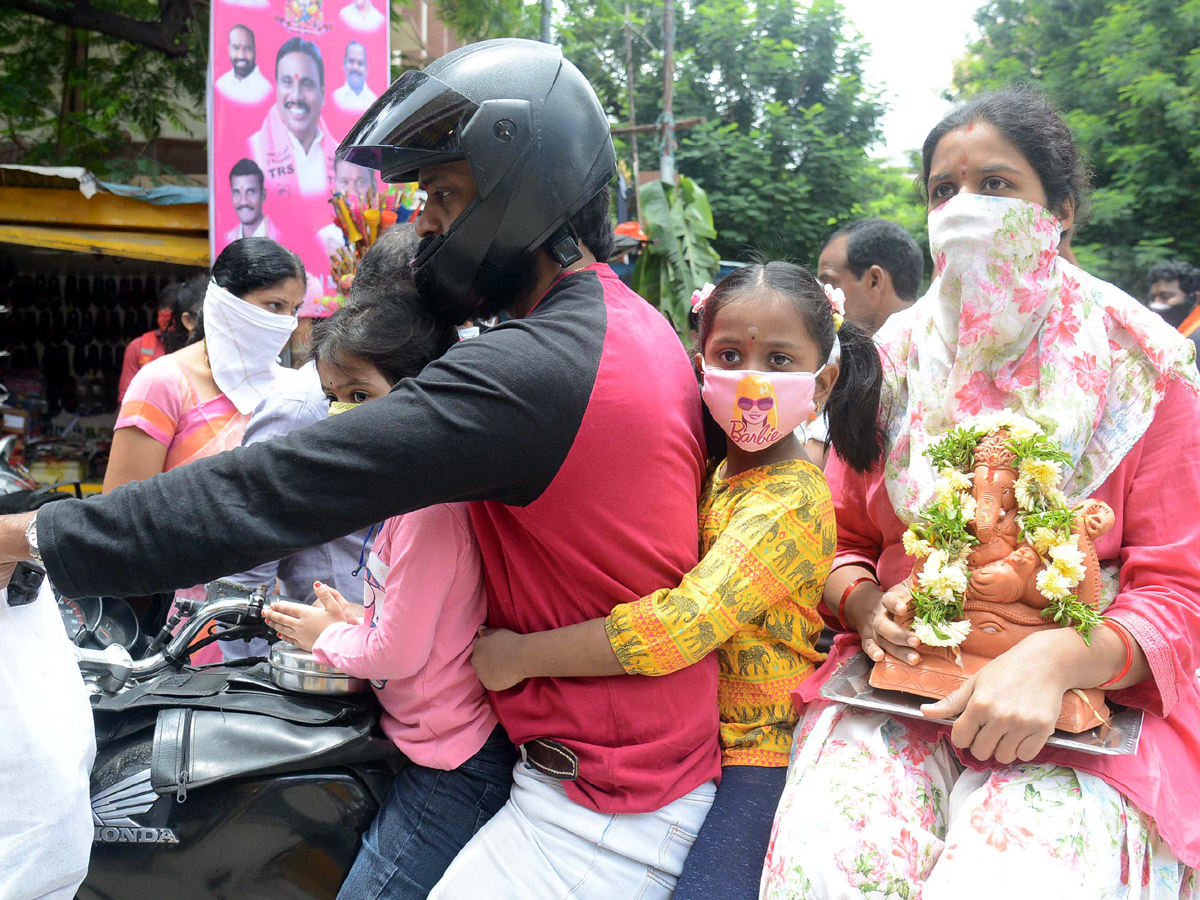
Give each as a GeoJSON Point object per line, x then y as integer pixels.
{"type": "Point", "coordinates": [288, 79]}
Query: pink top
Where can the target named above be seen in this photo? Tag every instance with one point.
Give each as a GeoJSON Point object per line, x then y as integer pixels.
{"type": "Point", "coordinates": [162, 401]}
{"type": "Point", "coordinates": [424, 604]}
{"type": "Point", "coordinates": [1155, 493]}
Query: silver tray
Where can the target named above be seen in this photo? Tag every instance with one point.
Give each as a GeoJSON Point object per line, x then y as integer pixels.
{"type": "Point", "coordinates": [850, 685]}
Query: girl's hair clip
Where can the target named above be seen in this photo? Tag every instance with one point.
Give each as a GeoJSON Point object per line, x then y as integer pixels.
{"type": "Point", "coordinates": [701, 295]}
{"type": "Point", "coordinates": [837, 305]}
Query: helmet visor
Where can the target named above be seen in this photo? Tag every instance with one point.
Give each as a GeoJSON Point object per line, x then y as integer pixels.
{"type": "Point", "coordinates": [416, 122]}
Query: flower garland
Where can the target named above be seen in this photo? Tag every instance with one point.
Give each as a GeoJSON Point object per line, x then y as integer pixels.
{"type": "Point", "coordinates": [942, 539]}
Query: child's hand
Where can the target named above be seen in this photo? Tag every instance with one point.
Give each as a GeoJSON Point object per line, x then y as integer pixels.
{"type": "Point", "coordinates": [328, 598]}
{"type": "Point", "coordinates": [496, 658]}
{"type": "Point", "coordinates": [302, 625]}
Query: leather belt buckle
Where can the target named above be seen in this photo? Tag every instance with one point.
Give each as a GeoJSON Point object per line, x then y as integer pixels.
{"type": "Point", "coordinates": [551, 758]}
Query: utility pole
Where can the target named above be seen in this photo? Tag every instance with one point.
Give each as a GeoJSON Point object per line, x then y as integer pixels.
{"type": "Point", "coordinates": [667, 163]}
{"type": "Point", "coordinates": [629, 74]}
{"type": "Point", "coordinates": [547, 5]}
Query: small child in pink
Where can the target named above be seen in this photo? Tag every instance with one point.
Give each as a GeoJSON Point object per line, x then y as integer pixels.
{"type": "Point", "coordinates": [423, 605]}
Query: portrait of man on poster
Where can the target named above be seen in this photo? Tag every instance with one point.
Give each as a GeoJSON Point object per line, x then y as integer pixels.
{"type": "Point", "coordinates": [354, 96]}
{"type": "Point", "coordinates": [247, 196]}
{"type": "Point", "coordinates": [294, 147]}
{"type": "Point", "coordinates": [243, 83]}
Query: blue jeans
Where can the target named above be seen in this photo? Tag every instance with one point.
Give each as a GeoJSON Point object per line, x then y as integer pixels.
{"type": "Point", "coordinates": [426, 818]}
{"type": "Point", "coordinates": [726, 861]}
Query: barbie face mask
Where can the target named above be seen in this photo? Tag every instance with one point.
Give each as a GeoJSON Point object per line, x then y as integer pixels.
{"type": "Point", "coordinates": [758, 409]}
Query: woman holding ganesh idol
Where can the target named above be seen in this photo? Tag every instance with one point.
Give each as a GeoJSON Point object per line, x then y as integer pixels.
{"type": "Point", "coordinates": [1100, 401]}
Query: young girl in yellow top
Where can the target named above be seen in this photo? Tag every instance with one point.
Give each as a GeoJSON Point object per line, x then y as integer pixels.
{"type": "Point", "coordinates": [773, 352]}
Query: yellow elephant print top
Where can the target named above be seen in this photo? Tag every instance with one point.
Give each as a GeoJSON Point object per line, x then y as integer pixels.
{"type": "Point", "coordinates": [767, 539]}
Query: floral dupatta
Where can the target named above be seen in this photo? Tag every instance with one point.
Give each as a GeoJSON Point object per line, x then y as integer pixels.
{"type": "Point", "coordinates": [1008, 324]}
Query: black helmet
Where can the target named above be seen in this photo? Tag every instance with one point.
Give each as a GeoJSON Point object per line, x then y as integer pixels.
{"type": "Point", "coordinates": [537, 141]}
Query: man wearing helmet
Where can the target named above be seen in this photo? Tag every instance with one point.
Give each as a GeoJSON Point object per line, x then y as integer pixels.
{"type": "Point", "coordinates": [581, 499]}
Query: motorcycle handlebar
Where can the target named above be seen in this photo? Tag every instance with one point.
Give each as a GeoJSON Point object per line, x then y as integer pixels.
{"type": "Point", "coordinates": [248, 611]}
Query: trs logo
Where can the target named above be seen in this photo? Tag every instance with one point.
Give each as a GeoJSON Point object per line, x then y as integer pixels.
{"type": "Point", "coordinates": [113, 806]}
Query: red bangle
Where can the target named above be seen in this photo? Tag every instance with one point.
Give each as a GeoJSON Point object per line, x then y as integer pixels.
{"type": "Point", "coordinates": [1125, 639]}
{"type": "Point", "coordinates": [841, 610]}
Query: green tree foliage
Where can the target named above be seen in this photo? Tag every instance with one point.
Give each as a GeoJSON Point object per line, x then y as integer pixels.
{"type": "Point", "coordinates": [779, 82]}
{"type": "Point", "coordinates": [680, 257]}
{"type": "Point", "coordinates": [480, 20]}
{"type": "Point", "coordinates": [74, 97]}
{"type": "Point", "coordinates": [1127, 76]}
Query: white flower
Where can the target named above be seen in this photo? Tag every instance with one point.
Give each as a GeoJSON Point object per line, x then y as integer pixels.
{"type": "Point", "coordinates": [937, 559]}
{"type": "Point", "coordinates": [968, 508]}
{"type": "Point", "coordinates": [1069, 560]}
{"type": "Point", "coordinates": [914, 546]}
{"type": "Point", "coordinates": [944, 492]}
{"type": "Point", "coordinates": [960, 481]}
{"type": "Point", "coordinates": [1017, 426]}
{"type": "Point", "coordinates": [942, 578]}
{"type": "Point", "coordinates": [1046, 472]}
{"type": "Point", "coordinates": [1043, 539]}
{"type": "Point", "coordinates": [956, 633]}
{"type": "Point", "coordinates": [1056, 499]}
{"type": "Point", "coordinates": [1024, 432]}
{"type": "Point", "coordinates": [1052, 585]}
{"type": "Point", "coordinates": [1027, 492]}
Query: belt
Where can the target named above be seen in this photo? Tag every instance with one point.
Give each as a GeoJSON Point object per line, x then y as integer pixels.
{"type": "Point", "coordinates": [550, 758]}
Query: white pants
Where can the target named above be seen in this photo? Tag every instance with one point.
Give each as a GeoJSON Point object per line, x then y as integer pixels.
{"type": "Point", "coordinates": [544, 846]}
{"type": "Point", "coordinates": [47, 745]}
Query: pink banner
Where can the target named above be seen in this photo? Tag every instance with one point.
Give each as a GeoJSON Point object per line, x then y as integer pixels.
{"type": "Point", "coordinates": [289, 79]}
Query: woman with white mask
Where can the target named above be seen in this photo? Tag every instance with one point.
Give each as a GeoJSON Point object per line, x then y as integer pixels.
{"type": "Point", "coordinates": [1014, 338]}
{"type": "Point", "coordinates": [196, 402]}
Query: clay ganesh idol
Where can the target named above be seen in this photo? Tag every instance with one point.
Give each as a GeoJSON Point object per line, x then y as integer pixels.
{"type": "Point", "coordinates": [1000, 556]}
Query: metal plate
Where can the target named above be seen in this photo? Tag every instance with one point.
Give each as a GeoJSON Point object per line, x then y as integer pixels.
{"type": "Point", "coordinates": [850, 685]}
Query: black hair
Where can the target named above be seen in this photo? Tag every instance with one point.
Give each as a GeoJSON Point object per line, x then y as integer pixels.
{"type": "Point", "coordinates": [385, 322]}
{"type": "Point", "coordinates": [189, 299]}
{"type": "Point", "coordinates": [308, 48]}
{"type": "Point", "coordinates": [254, 263]}
{"type": "Point", "coordinates": [350, 44]}
{"type": "Point", "coordinates": [853, 405]}
{"type": "Point", "coordinates": [593, 226]}
{"type": "Point", "coordinates": [246, 29]}
{"type": "Point", "coordinates": [878, 242]}
{"type": "Point", "coordinates": [388, 259]}
{"type": "Point", "coordinates": [247, 167]}
{"type": "Point", "coordinates": [1186, 274]}
{"type": "Point", "coordinates": [1027, 119]}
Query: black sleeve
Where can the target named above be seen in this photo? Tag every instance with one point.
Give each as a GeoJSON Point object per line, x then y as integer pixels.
{"type": "Point", "coordinates": [492, 420]}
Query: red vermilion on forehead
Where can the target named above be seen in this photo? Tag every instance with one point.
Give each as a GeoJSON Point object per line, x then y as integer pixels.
{"type": "Point", "coordinates": [970, 127]}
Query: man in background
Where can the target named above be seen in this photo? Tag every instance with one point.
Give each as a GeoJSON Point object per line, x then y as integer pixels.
{"type": "Point", "coordinates": [1174, 292]}
{"type": "Point", "coordinates": [354, 96]}
{"type": "Point", "coordinates": [878, 266]}
{"type": "Point", "coordinates": [243, 83]}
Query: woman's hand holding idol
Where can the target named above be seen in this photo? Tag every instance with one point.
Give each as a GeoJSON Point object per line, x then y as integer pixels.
{"type": "Point", "coordinates": [876, 616]}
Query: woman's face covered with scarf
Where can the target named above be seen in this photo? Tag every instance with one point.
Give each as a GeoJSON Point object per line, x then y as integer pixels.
{"type": "Point", "coordinates": [978, 159]}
